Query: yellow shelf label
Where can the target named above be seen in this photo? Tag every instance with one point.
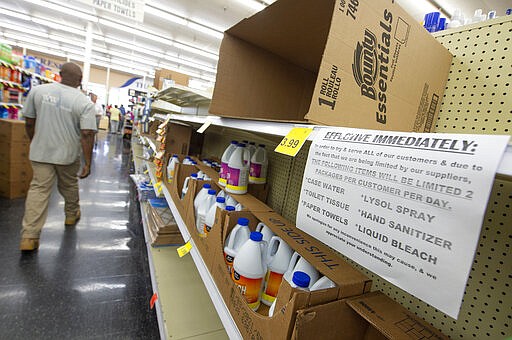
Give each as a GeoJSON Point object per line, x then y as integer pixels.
{"type": "Point", "coordinates": [184, 249]}
{"type": "Point", "coordinates": [293, 141]}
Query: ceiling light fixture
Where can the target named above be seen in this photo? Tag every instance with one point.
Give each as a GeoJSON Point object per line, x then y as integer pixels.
{"type": "Point", "coordinates": [17, 15]}
{"type": "Point", "coordinates": [62, 9]}
{"type": "Point", "coordinates": [205, 29]}
{"type": "Point", "coordinates": [253, 4]}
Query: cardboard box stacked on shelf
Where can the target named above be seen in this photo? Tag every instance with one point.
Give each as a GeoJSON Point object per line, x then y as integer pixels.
{"type": "Point", "coordinates": [15, 167]}
{"type": "Point", "coordinates": [162, 226]}
{"type": "Point", "coordinates": [363, 64]}
{"type": "Point", "coordinates": [348, 311]}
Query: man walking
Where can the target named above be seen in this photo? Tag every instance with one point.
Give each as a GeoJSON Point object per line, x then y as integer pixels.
{"type": "Point", "coordinates": [59, 118]}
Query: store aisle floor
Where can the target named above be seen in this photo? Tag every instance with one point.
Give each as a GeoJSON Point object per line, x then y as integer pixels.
{"type": "Point", "coordinates": [90, 281]}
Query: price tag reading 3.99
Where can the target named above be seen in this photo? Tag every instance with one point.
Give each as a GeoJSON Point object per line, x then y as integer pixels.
{"type": "Point", "coordinates": [293, 141]}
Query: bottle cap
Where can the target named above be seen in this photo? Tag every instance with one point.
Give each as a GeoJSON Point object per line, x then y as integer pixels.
{"type": "Point", "coordinates": [221, 200]}
{"type": "Point", "coordinates": [234, 142]}
{"type": "Point", "coordinates": [207, 186]}
{"type": "Point", "coordinates": [257, 236]}
{"type": "Point", "coordinates": [243, 221]}
{"type": "Point", "coordinates": [245, 141]}
{"type": "Point", "coordinates": [252, 143]}
{"type": "Point", "coordinates": [175, 155]}
{"type": "Point", "coordinates": [193, 175]}
{"type": "Point", "coordinates": [212, 192]}
{"type": "Point", "coordinates": [301, 279]}
{"type": "Point", "coordinates": [230, 208]}
{"type": "Point", "coordinates": [261, 145]}
{"type": "Point", "coordinates": [242, 145]}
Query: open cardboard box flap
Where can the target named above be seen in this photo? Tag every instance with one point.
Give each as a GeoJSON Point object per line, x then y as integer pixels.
{"type": "Point", "coordinates": [392, 319]}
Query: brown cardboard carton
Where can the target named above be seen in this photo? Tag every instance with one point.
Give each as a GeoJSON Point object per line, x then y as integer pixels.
{"type": "Point", "coordinates": [363, 64]}
{"type": "Point", "coordinates": [19, 171]}
{"type": "Point", "coordinates": [178, 138]}
{"type": "Point", "coordinates": [13, 189]}
{"type": "Point", "coordinates": [14, 152]}
{"type": "Point", "coordinates": [12, 130]}
{"type": "Point", "coordinates": [178, 78]}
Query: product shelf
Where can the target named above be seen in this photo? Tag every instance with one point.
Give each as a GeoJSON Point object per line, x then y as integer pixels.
{"type": "Point", "coordinates": [26, 72]}
{"type": "Point", "coordinates": [9, 105]}
{"type": "Point", "coordinates": [183, 96]}
{"type": "Point", "coordinates": [12, 85]}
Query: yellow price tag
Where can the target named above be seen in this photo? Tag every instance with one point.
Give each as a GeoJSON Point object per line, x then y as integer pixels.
{"type": "Point", "coordinates": [293, 141]}
{"type": "Point", "coordinates": [146, 171]}
{"type": "Point", "coordinates": [159, 188]}
{"type": "Point", "coordinates": [184, 249]}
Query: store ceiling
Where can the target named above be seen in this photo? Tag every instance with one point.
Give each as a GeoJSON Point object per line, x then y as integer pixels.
{"type": "Point", "coordinates": [181, 43]}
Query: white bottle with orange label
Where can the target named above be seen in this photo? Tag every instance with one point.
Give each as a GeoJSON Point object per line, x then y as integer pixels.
{"type": "Point", "coordinates": [278, 259]}
{"type": "Point", "coordinates": [238, 236]}
{"type": "Point", "coordinates": [249, 269]}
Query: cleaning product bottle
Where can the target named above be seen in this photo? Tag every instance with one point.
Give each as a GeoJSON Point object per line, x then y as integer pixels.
{"type": "Point", "coordinates": [186, 183]}
{"type": "Point", "coordinates": [267, 234]}
{"type": "Point", "coordinates": [252, 148]}
{"type": "Point", "coordinates": [223, 175]}
{"type": "Point", "coordinates": [171, 166]}
{"type": "Point", "coordinates": [259, 165]}
{"type": "Point", "coordinates": [249, 269]}
{"type": "Point", "coordinates": [299, 264]}
{"type": "Point", "coordinates": [220, 202]}
{"type": "Point", "coordinates": [201, 195]}
{"type": "Point", "coordinates": [187, 160]}
{"type": "Point", "coordinates": [203, 209]}
{"type": "Point", "coordinates": [239, 234]}
{"type": "Point", "coordinates": [239, 207]}
{"type": "Point", "coordinates": [300, 281]}
{"type": "Point", "coordinates": [278, 259]}
{"type": "Point", "coordinates": [322, 283]}
{"type": "Point", "coordinates": [230, 208]}
{"type": "Point", "coordinates": [238, 170]}
{"type": "Point", "coordinates": [230, 200]}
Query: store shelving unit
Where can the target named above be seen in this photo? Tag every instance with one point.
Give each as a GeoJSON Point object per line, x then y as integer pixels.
{"type": "Point", "coordinates": [8, 105]}
{"type": "Point", "coordinates": [181, 99]}
{"type": "Point", "coordinates": [475, 101]}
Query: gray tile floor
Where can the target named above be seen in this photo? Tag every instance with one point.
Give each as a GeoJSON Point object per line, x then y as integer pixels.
{"type": "Point", "coordinates": [86, 282]}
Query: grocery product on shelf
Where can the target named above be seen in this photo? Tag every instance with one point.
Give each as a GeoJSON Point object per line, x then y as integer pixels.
{"type": "Point", "coordinates": [278, 259]}
{"type": "Point", "coordinates": [220, 202]}
{"type": "Point", "coordinates": [298, 263]}
{"type": "Point", "coordinates": [186, 183]}
{"type": "Point", "coordinates": [267, 233]}
{"type": "Point", "coordinates": [235, 240]}
{"type": "Point", "coordinates": [171, 166]}
{"type": "Point", "coordinates": [224, 162]}
{"type": "Point", "coordinates": [259, 165]}
{"type": "Point", "coordinates": [323, 283]}
{"type": "Point", "coordinates": [300, 280]}
{"type": "Point", "coordinates": [201, 195]}
{"type": "Point", "coordinates": [202, 210]}
{"type": "Point", "coordinates": [249, 269]}
{"type": "Point", "coordinates": [238, 170]}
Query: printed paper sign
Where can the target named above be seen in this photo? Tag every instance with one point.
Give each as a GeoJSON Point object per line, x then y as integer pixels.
{"type": "Point", "coordinates": [129, 9]}
{"type": "Point", "coordinates": [407, 206]}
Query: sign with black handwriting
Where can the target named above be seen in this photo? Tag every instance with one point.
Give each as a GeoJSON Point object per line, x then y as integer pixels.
{"type": "Point", "coordinates": [407, 206]}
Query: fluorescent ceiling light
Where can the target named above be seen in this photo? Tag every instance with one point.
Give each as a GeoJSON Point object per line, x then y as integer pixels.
{"type": "Point", "coordinates": [190, 63]}
{"type": "Point", "coordinates": [205, 29]}
{"type": "Point", "coordinates": [255, 5]}
{"type": "Point", "coordinates": [136, 31]}
{"type": "Point", "coordinates": [57, 26]}
{"type": "Point", "coordinates": [11, 13]}
{"type": "Point", "coordinates": [165, 15]}
{"type": "Point", "coordinates": [196, 51]}
{"type": "Point", "coordinates": [66, 10]}
{"type": "Point", "coordinates": [24, 29]}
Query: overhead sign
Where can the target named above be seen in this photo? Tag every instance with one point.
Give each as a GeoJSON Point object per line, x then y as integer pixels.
{"type": "Point", "coordinates": [407, 206]}
{"type": "Point", "coordinates": [129, 9]}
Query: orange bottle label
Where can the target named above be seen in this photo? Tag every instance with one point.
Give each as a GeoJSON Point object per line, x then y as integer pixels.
{"type": "Point", "coordinates": [250, 288]}
{"type": "Point", "coordinates": [273, 283]}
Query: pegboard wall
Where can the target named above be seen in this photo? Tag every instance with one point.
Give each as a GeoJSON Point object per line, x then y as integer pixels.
{"type": "Point", "coordinates": [475, 101]}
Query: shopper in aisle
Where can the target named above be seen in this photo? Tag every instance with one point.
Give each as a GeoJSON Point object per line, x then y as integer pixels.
{"type": "Point", "coordinates": [98, 108]}
{"type": "Point", "coordinates": [59, 118]}
{"type": "Point", "coordinates": [121, 121]}
{"type": "Point", "coordinates": [115, 114]}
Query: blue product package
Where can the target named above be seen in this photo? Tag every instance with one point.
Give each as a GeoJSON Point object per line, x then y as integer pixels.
{"type": "Point", "coordinates": [158, 202]}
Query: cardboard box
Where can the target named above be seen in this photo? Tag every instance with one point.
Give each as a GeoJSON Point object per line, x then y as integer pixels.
{"type": "Point", "coordinates": [20, 171]}
{"type": "Point", "coordinates": [178, 137]}
{"type": "Point", "coordinates": [14, 152]}
{"type": "Point", "coordinates": [162, 74]}
{"type": "Point", "coordinates": [103, 123]}
{"type": "Point", "coordinates": [364, 65]}
{"type": "Point", "coordinates": [12, 130]}
{"type": "Point", "coordinates": [13, 189]}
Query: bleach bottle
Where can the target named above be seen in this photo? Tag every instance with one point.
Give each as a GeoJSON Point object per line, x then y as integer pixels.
{"type": "Point", "coordinates": [201, 195]}
{"type": "Point", "coordinates": [299, 264]}
{"type": "Point", "coordinates": [188, 160]}
{"type": "Point", "coordinates": [300, 281]}
{"type": "Point", "coordinates": [259, 165]}
{"type": "Point", "coordinates": [171, 166]}
{"type": "Point", "coordinates": [223, 175]}
{"type": "Point", "coordinates": [203, 209]}
{"type": "Point", "coordinates": [220, 202]}
{"type": "Point", "coordinates": [278, 259]}
{"type": "Point", "coordinates": [238, 170]}
{"type": "Point", "coordinates": [249, 269]}
{"type": "Point", "coordinates": [238, 236]}
{"type": "Point", "coordinates": [185, 184]}
{"type": "Point", "coordinates": [267, 233]}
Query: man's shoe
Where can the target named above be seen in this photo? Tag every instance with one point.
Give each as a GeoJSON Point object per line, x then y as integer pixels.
{"type": "Point", "coordinates": [72, 220]}
{"type": "Point", "coordinates": [29, 244]}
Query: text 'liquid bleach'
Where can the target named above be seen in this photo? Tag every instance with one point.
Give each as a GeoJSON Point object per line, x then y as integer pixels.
{"type": "Point", "coordinates": [238, 170]}
{"type": "Point", "coordinates": [249, 269]}
{"type": "Point", "coordinates": [259, 166]}
{"type": "Point", "coordinates": [238, 236]}
{"type": "Point", "coordinates": [278, 259]}
{"type": "Point", "coordinates": [223, 175]}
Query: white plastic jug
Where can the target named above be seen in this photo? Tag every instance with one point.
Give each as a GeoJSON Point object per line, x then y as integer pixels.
{"type": "Point", "coordinates": [223, 175]}
{"type": "Point", "coordinates": [171, 166]}
{"type": "Point", "coordinates": [249, 269]}
{"type": "Point", "coordinates": [267, 234]}
{"type": "Point", "coordinates": [278, 259]}
{"type": "Point", "coordinates": [187, 160]}
{"type": "Point", "coordinates": [238, 170]}
{"type": "Point", "coordinates": [220, 202]}
{"type": "Point", "coordinates": [185, 184]}
{"type": "Point", "coordinates": [300, 280]}
{"type": "Point", "coordinates": [252, 148]}
{"type": "Point", "coordinates": [322, 283]}
{"type": "Point", "coordinates": [239, 234]}
{"type": "Point", "coordinates": [203, 209]}
{"type": "Point", "coordinates": [230, 200]}
{"type": "Point", "coordinates": [201, 195]}
{"type": "Point", "coordinates": [259, 166]}
{"type": "Point", "coordinates": [239, 207]}
{"type": "Point", "coordinates": [299, 264]}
